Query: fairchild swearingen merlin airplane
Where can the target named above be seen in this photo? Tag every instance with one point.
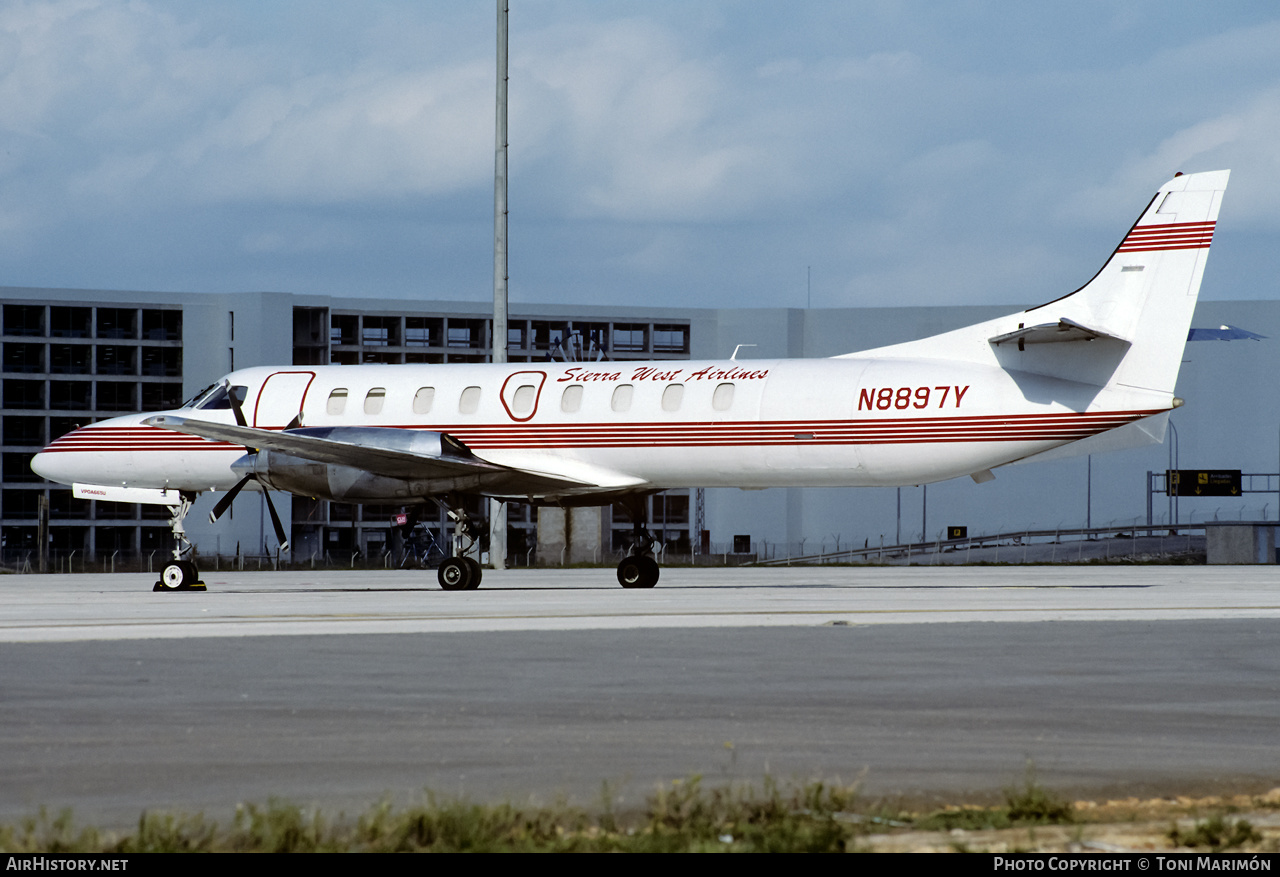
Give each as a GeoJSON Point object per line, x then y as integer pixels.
{"type": "Point", "coordinates": [1091, 371]}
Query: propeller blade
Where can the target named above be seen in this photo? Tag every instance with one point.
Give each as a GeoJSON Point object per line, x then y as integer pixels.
{"type": "Point", "coordinates": [275, 521]}
{"type": "Point", "coordinates": [227, 499]}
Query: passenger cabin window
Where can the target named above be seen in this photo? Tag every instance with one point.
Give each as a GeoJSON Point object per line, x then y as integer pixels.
{"type": "Point", "coordinates": [422, 400]}
{"type": "Point", "coordinates": [622, 398]}
{"type": "Point", "coordinates": [337, 401]}
{"type": "Point", "coordinates": [469, 402]}
{"type": "Point", "coordinates": [672, 396]}
{"type": "Point", "coordinates": [571, 400]}
{"type": "Point", "coordinates": [722, 398]}
{"type": "Point", "coordinates": [374, 399]}
{"type": "Point", "coordinates": [522, 401]}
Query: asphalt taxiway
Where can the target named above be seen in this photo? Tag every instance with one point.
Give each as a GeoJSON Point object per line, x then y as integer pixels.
{"type": "Point", "coordinates": [339, 688]}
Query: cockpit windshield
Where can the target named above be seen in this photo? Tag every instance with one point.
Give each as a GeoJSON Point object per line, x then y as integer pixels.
{"type": "Point", "coordinates": [194, 401]}
{"type": "Point", "coordinates": [216, 396]}
{"type": "Point", "coordinates": [219, 398]}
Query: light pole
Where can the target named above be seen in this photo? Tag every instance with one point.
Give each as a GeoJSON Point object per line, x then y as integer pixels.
{"type": "Point", "coordinates": [497, 509]}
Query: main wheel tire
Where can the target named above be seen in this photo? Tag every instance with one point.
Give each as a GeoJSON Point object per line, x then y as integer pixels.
{"type": "Point", "coordinates": [638, 571]}
{"type": "Point", "coordinates": [454, 574]}
{"type": "Point", "coordinates": [177, 574]}
{"type": "Point", "coordinates": [477, 573]}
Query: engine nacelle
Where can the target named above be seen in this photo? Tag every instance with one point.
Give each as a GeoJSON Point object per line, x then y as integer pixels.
{"type": "Point", "coordinates": [342, 483]}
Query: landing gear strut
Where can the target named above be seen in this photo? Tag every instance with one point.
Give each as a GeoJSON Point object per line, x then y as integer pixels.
{"type": "Point", "coordinates": [460, 572]}
{"type": "Point", "coordinates": [179, 574]}
{"type": "Point", "coordinates": [638, 569]}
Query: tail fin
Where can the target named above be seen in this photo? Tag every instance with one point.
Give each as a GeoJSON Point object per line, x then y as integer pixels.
{"type": "Point", "coordinates": [1145, 294]}
{"type": "Point", "coordinates": [1126, 327]}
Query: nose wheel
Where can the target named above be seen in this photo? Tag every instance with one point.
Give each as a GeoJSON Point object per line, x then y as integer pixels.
{"type": "Point", "coordinates": [179, 575]}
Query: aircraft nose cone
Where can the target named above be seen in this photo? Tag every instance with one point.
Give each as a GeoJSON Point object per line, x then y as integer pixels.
{"type": "Point", "coordinates": [43, 465]}
{"type": "Point", "coordinates": [58, 463]}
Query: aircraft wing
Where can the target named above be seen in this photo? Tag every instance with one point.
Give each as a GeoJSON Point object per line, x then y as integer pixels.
{"type": "Point", "coordinates": [394, 453]}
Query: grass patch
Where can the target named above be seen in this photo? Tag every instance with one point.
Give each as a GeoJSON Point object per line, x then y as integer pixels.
{"type": "Point", "coordinates": [1217, 833]}
{"type": "Point", "coordinates": [683, 816]}
{"type": "Point", "coordinates": [1024, 805]}
{"type": "Point", "coordinates": [1032, 804]}
{"type": "Point", "coordinates": [963, 819]}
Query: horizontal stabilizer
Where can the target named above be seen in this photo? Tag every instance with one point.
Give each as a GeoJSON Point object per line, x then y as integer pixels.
{"type": "Point", "coordinates": [1053, 333]}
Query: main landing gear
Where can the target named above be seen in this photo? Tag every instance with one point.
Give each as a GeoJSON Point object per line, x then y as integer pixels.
{"type": "Point", "coordinates": [460, 572]}
{"type": "Point", "coordinates": [638, 569]}
{"type": "Point", "coordinates": [179, 574]}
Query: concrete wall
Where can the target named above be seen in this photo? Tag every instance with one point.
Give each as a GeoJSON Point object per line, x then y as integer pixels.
{"type": "Point", "coordinates": [569, 536]}
{"type": "Point", "coordinates": [1240, 543]}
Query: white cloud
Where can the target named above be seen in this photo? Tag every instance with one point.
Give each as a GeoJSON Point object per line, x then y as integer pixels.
{"type": "Point", "coordinates": [366, 136]}
{"type": "Point", "coordinates": [636, 128]}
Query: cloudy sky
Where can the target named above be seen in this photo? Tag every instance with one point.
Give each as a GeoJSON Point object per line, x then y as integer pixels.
{"type": "Point", "coordinates": [709, 153]}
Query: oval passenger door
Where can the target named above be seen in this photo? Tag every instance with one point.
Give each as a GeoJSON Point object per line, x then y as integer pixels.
{"type": "Point", "coordinates": [280, 399]}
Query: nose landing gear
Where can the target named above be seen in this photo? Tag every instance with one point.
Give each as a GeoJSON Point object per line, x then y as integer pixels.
{"type": "Point", "coordinates": [179, 574]}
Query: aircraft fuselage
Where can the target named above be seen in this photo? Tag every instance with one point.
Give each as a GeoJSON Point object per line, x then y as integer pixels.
{"type": "Point", "coordinates": [642, 425]}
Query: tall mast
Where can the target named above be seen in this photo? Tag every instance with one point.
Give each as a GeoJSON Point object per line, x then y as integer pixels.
{"type": "Point", "coordinates": [498, 510]}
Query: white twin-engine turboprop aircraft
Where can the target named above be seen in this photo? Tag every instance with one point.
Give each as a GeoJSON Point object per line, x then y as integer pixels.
{"type": "Point", "coordinates": [1091, 371]}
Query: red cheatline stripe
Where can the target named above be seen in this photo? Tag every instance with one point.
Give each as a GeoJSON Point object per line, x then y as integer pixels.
{"type": "Point", "coordinates": [813, 429]}
{"type": "Point", "coordinates": [988, 428]}
{"type": "Point", "coordinates": [665, 431]}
